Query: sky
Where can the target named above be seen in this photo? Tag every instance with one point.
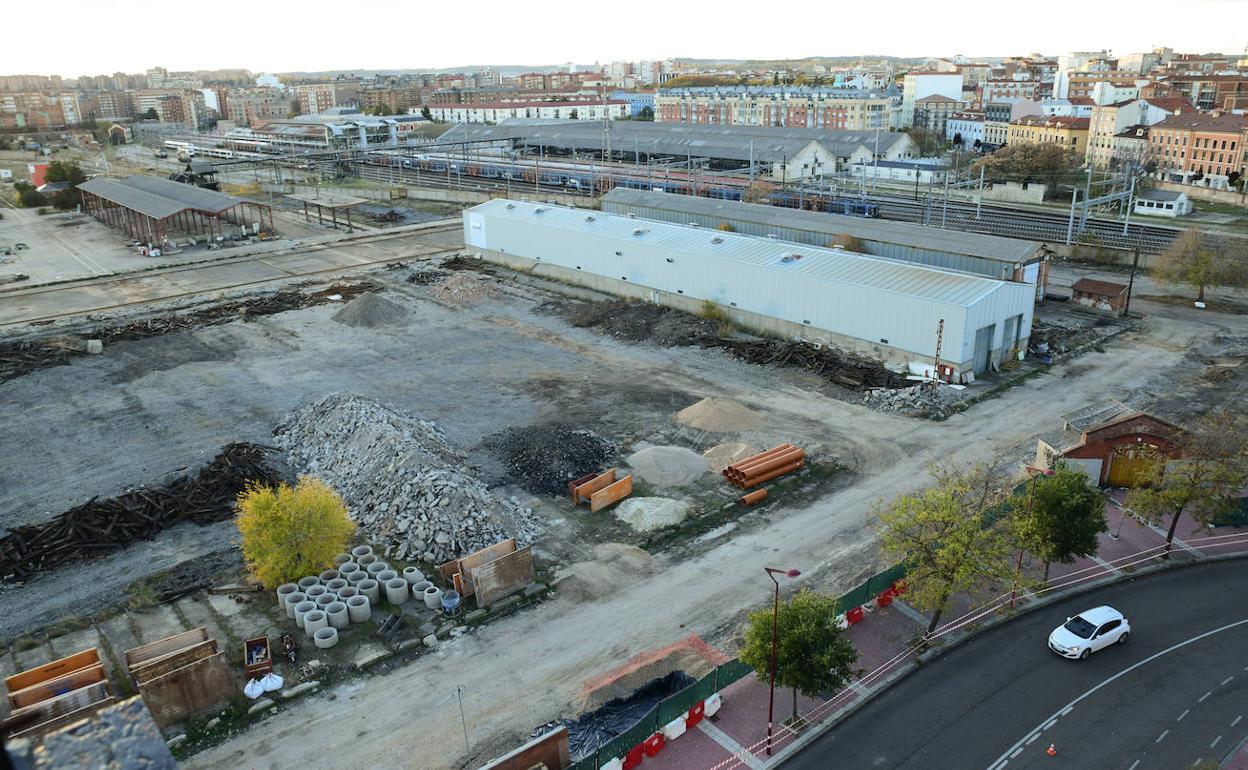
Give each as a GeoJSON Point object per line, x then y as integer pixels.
{"type": "Point", "coordinates": [74, 37]}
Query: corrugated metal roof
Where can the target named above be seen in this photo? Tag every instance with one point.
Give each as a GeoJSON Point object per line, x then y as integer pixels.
{"type": "Point", "coordinates": [730, 142]}
{"type": "Point", "coordinates": [992, 247]}
{"type": "Point", "coordinates": [159, 198]}
{"type": "Point", "coordinates": [944, 286]}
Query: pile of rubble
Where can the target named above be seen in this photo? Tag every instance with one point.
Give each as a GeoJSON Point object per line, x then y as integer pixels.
{"type": "Point", "coordinates": [544, 458]}
{"type": "Point", "coordinates": [934, 399]}
{"type": "Point", "coordinates": [407, 489]}
{"type": "Point", "coordinates": [463, 288]}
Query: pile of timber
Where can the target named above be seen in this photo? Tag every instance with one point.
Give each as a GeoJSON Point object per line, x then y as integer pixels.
{"type": "Point", "coordinates": [99, 526]}
{"type": "Point", "coordinates": [57, 693]}
{"type": "Point", "coordinates": [835, 365]}
{"type": "Point", "coordinates": [765, 466]}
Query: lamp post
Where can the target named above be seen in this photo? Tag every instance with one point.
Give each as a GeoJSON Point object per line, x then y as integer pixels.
{"type": "Point", "coordinates": [775, 619]}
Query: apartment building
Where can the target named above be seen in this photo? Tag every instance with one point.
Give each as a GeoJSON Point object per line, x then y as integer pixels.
{"type": "Point", "coordinates": [922, 83]}
{"type": "Point", "coordinates": [1199, 147]}
{"type": "Point", "coordinates": [315, 98]}
{"type": "Point", "coordinates": [252, 106]}
{"type": "Point", "coordinates": [1109, 121]}
{"type": "Point", "coordinates": [612, 109]}
{"type": "Point", "coordinates": [1070, 133]}
{"type": "Point", "coordinates": [999, 115]}
{"type": "Point", "coordinates": [1009, 91]}
{"type": "Point", "coordinates": [393, 98]}
{"type": "Point", "coordinates": [966, 129]}
{"type": "Point", "coordinates": [791, 107]}
{"type": "Point", "coordinates": [115, 105]}
{"type": "Point", "coordinates": [1206, 92]}
{"type": "Point", "coordinates": [931, 113]}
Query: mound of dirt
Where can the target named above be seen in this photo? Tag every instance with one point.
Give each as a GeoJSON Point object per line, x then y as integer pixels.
{"type": "Point", "coordinates": [721, 415]}
{"type": "Point", "coordinates": [721, 456]}
{"type": "Point", "coordinates": [544, 459]}
{"type": "Point", "coordinates": [668, 466]}
{"type": "Point", "coordinates": [641, 321]}
{"type": "Point", "coordinates": [464, 288]}
{"type": "Point", "coordinates": [369, 311]}
{"type": "Point", "coordinates": [614, 565]}
{"type": "Point", "coordinates": [646, 514]}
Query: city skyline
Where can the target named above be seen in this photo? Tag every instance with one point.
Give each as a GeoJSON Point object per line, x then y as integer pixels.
{"type": "Point", "coordinates": [279, 42]}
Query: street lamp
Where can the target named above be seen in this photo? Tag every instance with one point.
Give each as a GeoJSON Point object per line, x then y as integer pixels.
{"type": "Point", "coordinates": [775, 619]}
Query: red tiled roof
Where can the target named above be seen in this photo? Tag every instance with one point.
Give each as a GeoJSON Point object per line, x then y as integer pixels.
{"type": "Point", "coordinates": [1103, 288]}
{"type": "Point", "coordinates": [1053, 121]}
{"type": "Point", "coordinates": [1203, 121]}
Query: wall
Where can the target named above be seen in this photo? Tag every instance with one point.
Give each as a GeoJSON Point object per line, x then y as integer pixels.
{"type": "Point", "coordinates": [1014, 192]}
{"type": "Point", "coordinates": [418, 193]}
{"type": "Point", "coordinates": [1206, 194]}
{"type": "Point", "coordinates": [550, 749]}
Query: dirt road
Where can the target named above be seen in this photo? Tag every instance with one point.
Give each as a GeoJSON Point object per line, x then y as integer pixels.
{"type": "Point", "coordinates": [528, 668]}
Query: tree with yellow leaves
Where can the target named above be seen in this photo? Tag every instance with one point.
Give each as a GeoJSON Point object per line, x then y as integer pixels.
{"type": "Point", "coordinates": [289, 531]}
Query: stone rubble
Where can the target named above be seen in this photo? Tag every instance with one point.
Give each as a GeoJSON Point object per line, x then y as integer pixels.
{"type": "Point", "coordinates": [411, 494]}
{"type": "Point", "coordinates": [934, 399]}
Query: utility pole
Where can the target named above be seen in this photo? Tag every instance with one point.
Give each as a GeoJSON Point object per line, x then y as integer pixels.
{"type": "Point", "coordinates": [1135, 265]}
{"type": "Point", "coordinates": [459, 691]}
{"type": "Point", "coordinates": [979, 201]}
{"type": "Point", "coordinates": [1070, 223]}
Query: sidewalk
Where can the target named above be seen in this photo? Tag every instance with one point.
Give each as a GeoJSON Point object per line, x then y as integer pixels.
{"type": "Point", "coordinates": [736, 736]}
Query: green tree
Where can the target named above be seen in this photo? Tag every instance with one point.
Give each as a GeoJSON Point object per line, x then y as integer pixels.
{"type": "Point", "coordinates": [425, 113]}
{"type": "Point", "coordinates": [812, 654]}
{"type": "Point", "coordinates": [646, 113]}
{"type": "Point", "coordinates": [1059, 517]}
{"type": "Point", "coordinates": [1205, 477]}
{"type": "Point", "coordinates": [28, 197]}
{"type": "Point", "coordinates": [1048, 163]}
{"type": "Point", "coordinates": [944, 537]}
{"type": "Point", "coordinates": [1200, 260]}
{"type": "Point", "coordinates": [288, 532]}
{"type": "Point", "coordinates": [150, 114]}
{"type": "Point", "coordinates": [65, 171]}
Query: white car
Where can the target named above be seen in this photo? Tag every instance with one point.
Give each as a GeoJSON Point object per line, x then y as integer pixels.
{"type": "Point", "coordinates": [1089, 631]}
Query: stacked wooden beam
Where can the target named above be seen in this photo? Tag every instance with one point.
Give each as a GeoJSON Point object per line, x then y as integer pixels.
{"type": "Point", "coordinates": [180, 675]}
{"type": "Point", "coordinates": [56, 693]}
{"type": "Point", "coordinates": [765, 466]}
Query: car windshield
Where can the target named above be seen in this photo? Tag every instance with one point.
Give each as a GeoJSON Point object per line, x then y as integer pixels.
{"type": "Point", "coordinates": [1080, 627]}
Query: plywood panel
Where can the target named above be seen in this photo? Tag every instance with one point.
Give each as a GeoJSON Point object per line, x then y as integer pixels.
{"type": "Point", "coordinates": [161, 666]}
{"type": "Point", "coordinates": [70, 701]}
{"type": "Point", "coordinates": [459, 572]}
{"type": "Point", "coordinates": [64, 719]}
{"type": "Point", "coordinates": [585, 491]}
{"type": "Point", "coordinates": [51, 688]}
{"type": "Point", "coordinates": [192, 689]}
{"type": "Point", "coordinates": [51, 670]}
{"type": "Point", "coordinates": [612, 494]}
{"type": "Point", "coordinates": [503, 577]}
{"type": "Point", "coordinates": [166, 646]}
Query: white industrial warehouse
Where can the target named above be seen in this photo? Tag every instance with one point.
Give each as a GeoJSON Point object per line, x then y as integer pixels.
{"type": "Point", "coordinates": [890, 309]}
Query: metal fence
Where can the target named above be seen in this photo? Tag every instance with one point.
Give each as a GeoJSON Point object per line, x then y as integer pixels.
{"type": "Point", "coordinates": [869, 588]}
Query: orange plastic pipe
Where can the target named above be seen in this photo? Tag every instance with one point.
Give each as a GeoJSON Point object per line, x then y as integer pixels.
{"type": "Point", "coordinates": [775, 462]}
{"type": "Point", "coordinates": [752, 459]}
{"type": "Point", "coordinates": [778, 472]}
{"type": "Point", "coordinates": [756, 496]}
{"type": "Point", "coordinates": [742, 470]}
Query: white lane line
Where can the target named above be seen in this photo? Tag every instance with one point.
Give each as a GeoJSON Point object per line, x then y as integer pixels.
{"type": "Point", "coordinates": [1185, 713]}
{"type": "Point", "coordinates": [1162, 737]}
{"type": "Point", "coordinates": [1032, 739]}
{"type": "Point", "coordinates": [1241, 716]}
{"type": "Point", "coordinates": [1123, 673]}
{"type": "Point", "coordinates": [1066, 711]}
{"type": "Point", "coordinates": [1050, 724]}
{"type": "Point", "coordinates": [1106, 565]}
{"type": "Point", "coordinates": [1017, 751]}
{"type": "Point", "coordinates": [734, 748]}
{"type": "Point", "coordinates": [1206, 695]}
{"type": "Point", "coordinates": [1216, 741]}
{"type": "Point", "coordinates": [1229, 678]}
{"type": "Point", "coordinates": [1134, 765]}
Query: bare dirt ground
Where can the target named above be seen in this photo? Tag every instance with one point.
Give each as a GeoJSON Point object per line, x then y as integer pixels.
{"type": "Point", "coordinates": [149, 408]}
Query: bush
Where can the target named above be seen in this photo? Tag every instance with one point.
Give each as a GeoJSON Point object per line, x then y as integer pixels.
{"type": "Point", "coordinates": [289, 531]}
{"type": "Point", "coordinates": [713, 312]}
{"type": "Point", "coordinates": [726, 227]}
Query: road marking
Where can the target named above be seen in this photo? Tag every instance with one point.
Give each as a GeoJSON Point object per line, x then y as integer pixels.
{"type": "Point", "coordinates": [1216, 741]}
{"type": "Point", "coordinates": [1229, 678]}
{"type": "Point", "coordinates": [1106, 565]}
{"type": "Point", "coordinates": [1162, 737]}
{"type": "Point", "coordinates": [1017, 751]}
{"type": "Point", "coordinates": [1066, 711]}
{"type": "Point", "coordinates": [910, 612]}
{"type": "Point", "coordinates": [1206, 695]}
{"type": "Point", "coordinates": [1134, 765]}
{"type": "Point", "coordinates": [734, 748]}
{"type": "Point", "coordinates": [1050, 724]}
{"type": "Point", "coordinates": [1032, 739]}
{"type": "Point", "coordinates": [1241, 716]}
{"type": "Point", "coordinates": [1185, 713]}
{"type": "Point", "coordinates": [1126, 671]}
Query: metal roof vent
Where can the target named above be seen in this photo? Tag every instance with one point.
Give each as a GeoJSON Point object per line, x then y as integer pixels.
{"type": "Point", "coordinates": [641, 231]}
{"type": "Point", "coordinates": [511, 205]}
{"type": "Point", "coordinates": [773, 236]}
{"type": "Point", "coordinates": [539, 210]}
{"type": "Point", "coordinates": [589, 218]}
{"type": "Point", "coordinates": [631, 215]}
{"type": "Point", "coordinates": [717, 239]}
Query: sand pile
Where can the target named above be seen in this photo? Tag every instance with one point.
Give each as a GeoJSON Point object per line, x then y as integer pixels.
{"type": "Point", "coordinates": [407, 489]}
{"type": "Point", "coordinates": [668, 466]}
{"type": "Point", "coordinates": [613, 566]}
{"type": "Point", "coordinates": [463, 288]}
{"type": "Point", "coordinates": [721, 456]}
{"type": "Point", "coordinates": [369, 311]}
{"type": "Point", "coordinates": [646, 514]}
{"type": "Point", "coordinates": [722, 415]}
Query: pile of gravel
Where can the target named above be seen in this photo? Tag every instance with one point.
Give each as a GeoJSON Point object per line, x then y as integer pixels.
{"type": "Point", "coordinates": [722, 415]}
{"type": "Point", "coordinates": [464, 288]}
{"type": "Point", "coordinates": [407, 489]}
{"type": "Point", "coordinates": [545, 458]}
{"type": "Point", "coordinates": [369, 311]}
{"type": "Point", "coordinates": [668, 466]}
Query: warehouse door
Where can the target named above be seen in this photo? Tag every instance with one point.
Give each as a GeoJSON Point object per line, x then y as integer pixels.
{"type": "Point", "coordinates": [983, 348]}
{"type": "Point", "coordinates": [1128, 463]}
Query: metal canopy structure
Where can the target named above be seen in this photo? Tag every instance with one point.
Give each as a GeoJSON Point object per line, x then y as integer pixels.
{"type": "Point", "coordinates": [332, 202]}
{"type": "Point", "coordinates": [154, 210]}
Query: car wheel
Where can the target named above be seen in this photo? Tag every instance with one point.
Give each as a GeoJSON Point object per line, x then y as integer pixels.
{"type": "Point", "coordinates": [1084, 655]}
{"type": "Point", "coordinates": [1123, 638]}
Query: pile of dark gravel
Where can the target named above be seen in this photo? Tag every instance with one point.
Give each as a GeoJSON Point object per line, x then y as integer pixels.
{"type": "Point", "coordinates": [543, 459]}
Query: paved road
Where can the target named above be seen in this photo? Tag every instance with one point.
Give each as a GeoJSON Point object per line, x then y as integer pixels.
{"type": "Point", "coordinates": [1176, 692]}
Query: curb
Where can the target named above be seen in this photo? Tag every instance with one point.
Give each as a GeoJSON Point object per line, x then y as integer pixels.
{"type": "Point", "coordinates": [875, 690]}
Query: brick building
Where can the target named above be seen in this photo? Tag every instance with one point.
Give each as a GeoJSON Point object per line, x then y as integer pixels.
{"type": "Point", "coordinates": [1209, 148]}
{"type": "Point", "coordinates": [795, 107]}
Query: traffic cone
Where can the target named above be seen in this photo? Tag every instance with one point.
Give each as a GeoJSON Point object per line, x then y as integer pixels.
{"type": "Point", "coordinates": [1051, 750]}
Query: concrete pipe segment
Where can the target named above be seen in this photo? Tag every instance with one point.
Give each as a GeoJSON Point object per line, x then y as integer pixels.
{"type": "Point", "coordinates": [326, 599]}
{"type": "Point", "coordinates": [376, 568]}
{"type": "Point", "coordinates": [365, 560]}
{"type": "Point", "coordinates": [316, 591]}
{"type": "Point", "coordinates": [338, 615]}
{"type": "Point", "coordinates": [396, 590]}
{"type": "Point", "coordinates": [341, 559]}
{"type": "Point", "coordinates": [433, 598]}
{"type": "Point", "coordinates": [307, 582]}
{"type": "Point", "coordinates": [358, 609]}
{"type": "Point", "coordinates": [346, 568]}
{"type": "Point", "coordinates": [301, 611]}
{"type": "Point", "coordinates": [324, 638]}
{"type": "Point", "coordinates": [328, 575]}
{"type": "Point", "coordinates": [413, 575]}
{"type": "Point", "coordinates": [385, 576]}
{"type": "Point", "coordinates": [314, 621]}
{"type": "Point", "coordinates": [361, 550]}
{"type": "Point", "coordinates": [336, 585]}
{"type": "Point", "coordinates": [283, 591]}
{"type": "Point", "coordinates": [372, 589]}
{"type": "Point", "coordinates": [293, 599]}
{"type": "Point", "coordinates": [418, 590]}
{"type": "Point", "coordinates": [348, 592]}
{"type": "Point", "coordinates": [357, 577]}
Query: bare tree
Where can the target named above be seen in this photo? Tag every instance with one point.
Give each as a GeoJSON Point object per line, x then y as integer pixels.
{"type": "Point", "coordinates": [1199, 260]}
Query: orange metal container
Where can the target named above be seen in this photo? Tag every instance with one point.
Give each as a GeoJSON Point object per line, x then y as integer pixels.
{"type": "Point", "coordinates": [756, 496]}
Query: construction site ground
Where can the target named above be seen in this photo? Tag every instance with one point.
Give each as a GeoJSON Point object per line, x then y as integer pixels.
{"type": "Point", "coordinates": [148, 409]}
